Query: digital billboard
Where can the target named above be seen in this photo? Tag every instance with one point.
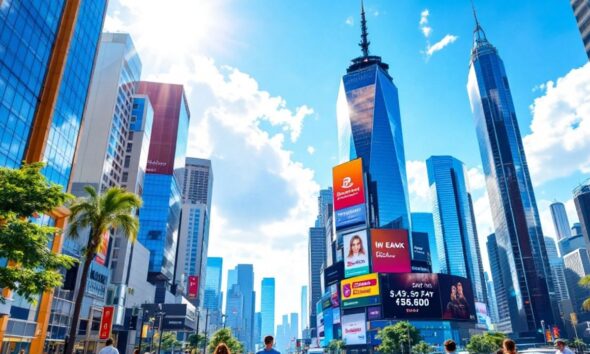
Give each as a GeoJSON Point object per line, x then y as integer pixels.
{"type": "Point", "coordinates": [356, 253]}
{"type": "Point", "coordinates": [427, 296]}
{"type": "Point", "coordinates": [481, 312]}
{"type": "Point", "coordinates": [457, 298]}
{"type": "Point", "coordinates": [333, 274]}
{"type": "Point", "coordinates": [390, 251]}
{"type": "Point", "coordinates": [348, 194]}
{"type": "Point", "coordinates": [354, 329]}
{"type": "Point", "coordinates": [334, 298]}
{"type": "Point", "coordinates": [101, 255]}
{"type": "Point", "coordinates": [360, 291]}
{"type": "Point", "coordinates": [106, 322]}
{"type": "Point", "coordinates": [420, 247]}
{"type": "Point", "coordinates": [374, 313]}
{"type": "Point", "coordinates": [328, 326]}
{"type": "Point", "coordinates": [193, 286]}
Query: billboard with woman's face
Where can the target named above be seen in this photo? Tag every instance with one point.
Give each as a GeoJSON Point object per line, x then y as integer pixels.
{"type": "Point", "coordinates": [356, 254]}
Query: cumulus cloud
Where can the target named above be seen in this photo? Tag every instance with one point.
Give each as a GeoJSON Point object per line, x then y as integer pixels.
{"type": "Point", "coordinates": [349, 21]}
{"type": "Point", "coordinates": [427, 31]}
{"type": "Point", "coordinates": [310, 150]}
{"type": "Point", "coordinates": [418, 187]}
{"type": "Point", "coordinates": [559, 142]}
{"type": "Point", "coordinates": [477, 180]}
{"type": "Point", "coordinates": [263, 199]}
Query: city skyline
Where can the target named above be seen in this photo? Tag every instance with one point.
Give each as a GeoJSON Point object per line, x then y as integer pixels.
{"type": "Point", "coordinates": [294, 143]}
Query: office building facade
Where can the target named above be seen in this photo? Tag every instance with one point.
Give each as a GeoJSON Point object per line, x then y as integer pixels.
{"type": "Point", "coordinates": [267, 308]}
{"type": "Point", "coordinates": [424, 222]}
{"type": "Point", "coordinates": [47, 52]}
{"type": "Point", "coordinates": [369, 127]}
{"type": "Point", "coordinates": [159, 216]}
{"type": "Point", "coordinates": [577, 266]}
{"type": "Point", "coordinates": [560, 220]}
{"type": "Point", "coordinates": [316, 259]}
{"type": "Point", "coordinates": [525, 268]}
{"type": "Point", "coordinates": [582, 201]}
{"type": "Point", "coordinates": [212, 298]}
{"type": "Point", "coordinates": [557, 270]}
{"type": "Point", "coordinates": [503, 323]}
{"type": "Point", "coordinates": [456, 234]}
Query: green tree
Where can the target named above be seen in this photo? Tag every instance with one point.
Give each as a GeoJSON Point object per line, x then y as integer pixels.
{"type": "Point", "coordinates": [195, 341]}
{"type": "Point", "coordinates": [169, 341]}
{"type": "Point", "coordinates": [422, 348]}
{"type": "Point", "coordinates": [577, 344]}
{"type": "Point", "coordinates": [335, 346]}
{"type": "Point", "coordinates": [32, 267]}
{"type": "Point", "coordinates": [398, 337]}
{"type": "Point", "coordinates": [585, 283]}
{"type": "Point", "coordinates": [486, 343]}
{"type": "Point", "coordinates": [98, 214]}
{"type": "Point", "coordinates": [224, 335]}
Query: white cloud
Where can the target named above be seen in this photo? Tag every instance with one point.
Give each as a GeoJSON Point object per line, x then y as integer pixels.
{"type": "Point", "coordinates": [559, 142]}
{"type": "Point", "coordinates": [310, 150]}
{"type": "Point", "coordinates": [438, 46]}
{"type": "Point", "coordinates": [349, 21]}
{"type": "Point", "coordinates": [427, 31]}
{"type": "Point", "coordinates": [263, 200]}
{"type": "Point", "coordinates": [477, 180]}
{"type": "Point", "coordinates": [418, 187]}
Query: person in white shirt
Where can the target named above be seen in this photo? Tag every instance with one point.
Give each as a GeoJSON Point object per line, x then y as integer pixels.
{"type": "Point", "coordinates": [562, 348]}
{"type": "Point", "coordinates": [109, 349]}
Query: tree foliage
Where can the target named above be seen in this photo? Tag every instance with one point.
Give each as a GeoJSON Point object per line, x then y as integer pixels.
{"type": "Point", "coordinates": [585, 283]}
{"type": "Point", "coordinates": [578, 345]}
{"type": "Point", "coordinates": [422, 348]}
{"type": "Point", "coordinates": [196, 341]}
{"type": "Point", "coordinates": [169, 341]}
{"type": "Point", "coordinates": [486, 343]}
{"type": "Point", "coordinates": [96, 215]}
{"type": "Point", "coordinates": [25, 194]}
{"type": "Point", "coordinates": [224, 335]}
{"type": "Point", "coordinates": [398, 337]}
{"type": "Point", "coordinates": [335, 346]}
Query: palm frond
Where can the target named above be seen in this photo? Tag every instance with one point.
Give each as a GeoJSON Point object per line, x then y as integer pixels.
{"type": "Point", "coordinates": [585, 282]}
{"type": "Point", "coordinates": [128, 224]}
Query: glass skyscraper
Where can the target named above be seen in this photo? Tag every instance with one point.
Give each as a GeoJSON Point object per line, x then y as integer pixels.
{"type": "Point", "coordinates": [582, 13]}
{"type": "Point", "coordinates": [159, 216]}
{"type": "Point", "coordinates": [267, 307]}
{"type": "Point", "coordinates": [525, 268]}
{"type": "Point", "coordinates": [304, 309]}
{"type": "Point", "coordinates": [456, 234]}
{"type": "Point", "coordinates": [560, 220]}
{"type": "Point", "coordinates": [47, 51]}
{"type": "Point", "coordinates": [213, 283]}
{"type": "Point", "coordinates": [424, 222]}
{"type": "Point", "coordinates": [582, 201]}
{"type": "Point", "coordinates": [316, 258]}
{"type": "Point", "coordinates": [369, 126]}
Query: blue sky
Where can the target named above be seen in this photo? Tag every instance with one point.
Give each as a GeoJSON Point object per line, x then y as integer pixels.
{"type": "Point", "coordinates": [262, 79]}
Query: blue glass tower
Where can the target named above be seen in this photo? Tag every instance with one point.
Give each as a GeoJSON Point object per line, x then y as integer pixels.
{"type": "Point", "coordinates": [369, 126]}
{"type": "Point", "coordinates": [456, 234]}
{"type": "Point", "coordinates": [213, 284]}
{"type": "Point", "coordinates": [267, 307]}
{"type": "Point", "coordinates": [522, 255]}
{"type": "Point", "coordinates": [424, 222]}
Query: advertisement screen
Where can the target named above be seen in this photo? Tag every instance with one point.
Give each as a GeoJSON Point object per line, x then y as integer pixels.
{"type": "Point", "coordinates": [353, 215]}
{"type": "Point", "coordinates": [356, 254]}
{"type": "Point", "coordinates": [374, 313]}
{"type": "Point", "coordinates": [334, 298]}
{"type": "Point", "coordinates": [101, 255]}
{"type": "Point", "coordinates": [354, 329]}
{"type": "Point", "coordinates": [106, 322]}
{"type": "Point", "coordinates": [193, 286]}
{"type": "Point", "coordinates": [328, 326]}
{"type": "Point", "coordinates": [360, 291]}
{"type": "Point", "coordinates": [411, 295]}
{"type": "Point", "coordinates": [456, 297]}
{"type": "Point", "coordinates": [390, 251]}
{"type": "Point", "coordinates": [483, 319]}
{"type": "Point", "coordinates": [347, 181]}
{"type": "Point", "coordinates": [334, 273]}
{"type": "Point", "coordinates": [336, 315]}
{"type": "Point", "coordinates": [420, 247]}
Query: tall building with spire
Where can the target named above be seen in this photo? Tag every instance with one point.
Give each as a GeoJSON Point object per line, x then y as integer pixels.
{"type": "Point", "coordinates": [525, 268]}
{"type": "Point", "coordinates": [369, 127]}
{"type": "Point", "coordinates": [560, 221]}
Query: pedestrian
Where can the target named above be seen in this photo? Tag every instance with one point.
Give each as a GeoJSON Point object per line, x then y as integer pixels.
{"type": "Point", "coordinates": [222, 349]}
{"type": "Point", "coordinates": [450, 346]}
{"type": "Point", "coordinates": [509, 346]}
{"type": "Point", "coordinates": [268, 349]}
{"type": "Point", "coordinates": [109, 349]}
{"type": "Point", "coordinates": [562, 347]}
{"type": "Point", "coordinates": [22, 351]}
{"type": "Point", "coordinates": [136, 351]}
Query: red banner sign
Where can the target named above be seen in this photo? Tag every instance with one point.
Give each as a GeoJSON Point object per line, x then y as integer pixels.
{"type": "Point", "coordinates": [193, 286]}
{"type": "Point", "coordinates": [106, 322]}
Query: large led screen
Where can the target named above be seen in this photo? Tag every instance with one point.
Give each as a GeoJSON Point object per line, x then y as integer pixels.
{"type": "Point", "coordinates": [356, 253]}
{"type": "Point", "coordinates": [390, 251]}
{"type": "Point", "coordinates": [354, 329]}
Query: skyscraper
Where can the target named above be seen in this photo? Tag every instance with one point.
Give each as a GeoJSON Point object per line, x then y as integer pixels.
{"type": "Point", "coordinates": [577, 266]}
{"type": "Point", "coordinates": [560, 221]}
{"type": "Point", "coordinates": [159, 216]}
{"type": "Point", "coordinates": [557, 270]}
{"type": "Point", "coordinates": [324, 199]}
{"type": "Point", "coordinates": [46, 61]}
{"type": "Point", "coordinates": [503, 323]}
{"type": "Point", "coordinates": [492, 305]}
{"type": "Point", "coordinates": [212, 295]}
{"type": "Point", "coordinates": [193, 241]}
{"type": "Point", "coordinates": [304, 313]}
{"type": "Point", "coordinates": [267, 307]}
{"type": "Point", "coordinates": [525, 268]}
{"type": "Point", "coordinates": [245, 283]}
{"type": "Point", "coordinates": [456, 234]}
{"type": "Point", "coordinates": [582, 201]}
{"type": "Point", "coordinates": [424, 222]}
{"type": "Point", "coordinates": [316, 258]}
{"type": "Point", "coordinates": [294, 327]}
{"type": "Point", "coordinates": [369, 126]}
{"type": "Point", "coordinates": [582, 13]}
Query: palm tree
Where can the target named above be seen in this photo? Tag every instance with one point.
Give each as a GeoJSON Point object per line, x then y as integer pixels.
{"type": "Point", "coordinates": [99, 213]}
{"type": "Point", "coordinates": [585, 283]}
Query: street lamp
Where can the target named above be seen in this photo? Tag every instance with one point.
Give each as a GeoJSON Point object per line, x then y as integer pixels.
{"type": "Point", "coordinates": [161, 315]}
{"type": "Point", "coordinates": [206, 330]}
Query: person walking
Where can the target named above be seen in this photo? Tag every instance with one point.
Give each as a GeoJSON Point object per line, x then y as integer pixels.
{"type": "Point", "coordinates": [268, 349]}
{"type": "Point", "coordinates": [450, 346]}
{"type": "Point", "coordinates": [109, 349]}
{"type": "Point", "coordinates": [562, 348]}
{"type": "Point", "coordinates": [222, 349]}
{"type": "Point", "coordinates": [509, 346]}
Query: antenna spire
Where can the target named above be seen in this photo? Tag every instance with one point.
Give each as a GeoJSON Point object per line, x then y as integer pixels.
{"type": "Point", "coordinates": [364, 44]}
{"type": "Point", "coordinates": [478, 32]}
